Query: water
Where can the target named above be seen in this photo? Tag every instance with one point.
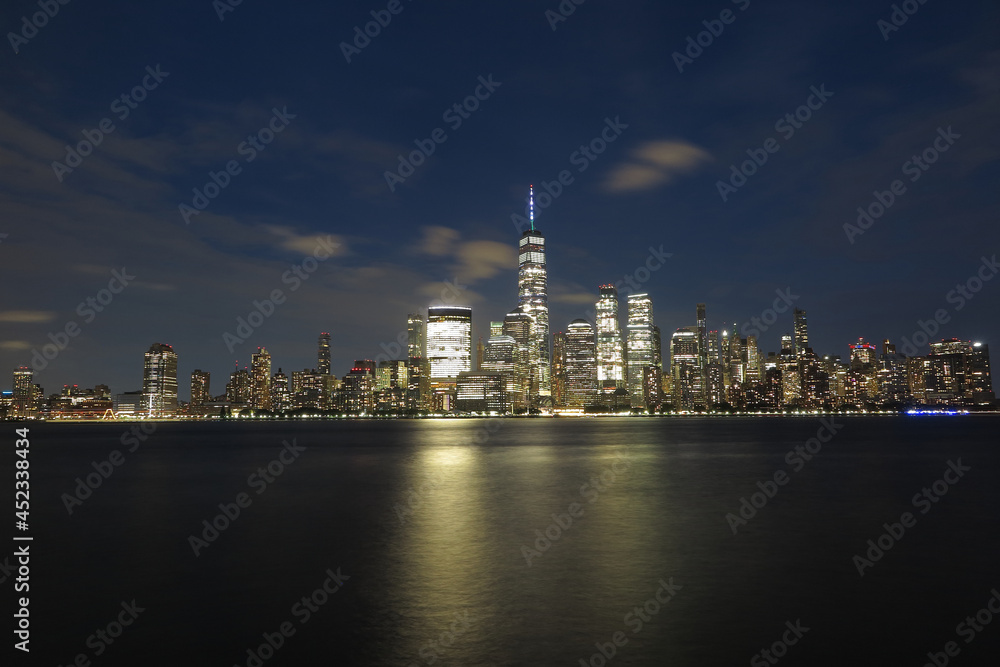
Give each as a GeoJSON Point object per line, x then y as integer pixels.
{"type": "Point", "coordinates": [430, 527]}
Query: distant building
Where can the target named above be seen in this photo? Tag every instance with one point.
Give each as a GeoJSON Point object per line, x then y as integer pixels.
{"type": "Point", "coordinates": [200, 387]}
{"type": "Point", "coordinates": [260, 378]}
{"type": "Point", "coordinates": [533, 300]}
{"type": "Point", "coordinates": [559, 369]}
{"type": "Point", "coordinates": [581, 364]}
{"type": "Point", "coordinates": [281, 396]}
{"type": "Point", "coordinates": [323, 354]}
{"type": "Point", "coordinates": [159, 381]}
{"type": "Point", "coordinates": [449, 347]}
{"type": "Point", "coordinates": [610, 351]}
{"type": "Point", "coordinates": [24, 405]}
{"type": "Point", "coordinates": [501, 356]}
{"type": "Point", "coordinates": [480, 392]}
{"type": "Point", "coordinates": [640, 345]}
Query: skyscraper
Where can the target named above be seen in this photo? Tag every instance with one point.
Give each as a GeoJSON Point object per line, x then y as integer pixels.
{"type": "Point", "coordinates": [640, 345]}
{"type": "Point", "coordinates": [558, 368]}
{"type": "Point", "coordinates": [200, 387]}
{"type": "Point", "coordinates": [449, 349]}
{"type": "Point", "coordinates": [685, 360]}
{"type": "Point", "coordinates": [238, 388]}
{"type": "Point", "coordinates": [517, 325]}
{"type": "Point", "coordinates": [418, 376]}
{"type": "Point", "coordinates": [702, 335]}
{"type": "Point", "coordinates": [323, 363]}
{"type": "Point", "coordinates": [260, 380]}
{"type": "Point", "coordinates": [532, 298]}
{"type": "Point", "coordinates": [801, 333]}
{"type": "Point", "coordinates": [500, 356]}
{"type": "Point", "coordinates": [281, 397]}
{"type": "Point", "coordinates": [23, 406]}
{"type": "Point", "coordinates": [159, 381]}
{"type": "Point", "coordinates": [610, 351]}
{"type": "Point", "coordinates": [581, 364]}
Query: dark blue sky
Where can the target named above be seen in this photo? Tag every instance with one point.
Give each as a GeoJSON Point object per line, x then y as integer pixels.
{"type": "Point", "coordinates": [323, 174]}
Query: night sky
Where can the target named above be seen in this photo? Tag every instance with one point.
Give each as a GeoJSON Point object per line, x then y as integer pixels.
{"type": "Point", "coordinates": [608, 67]}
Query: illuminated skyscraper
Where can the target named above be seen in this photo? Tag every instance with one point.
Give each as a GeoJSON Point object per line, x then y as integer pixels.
{"type": "Point", "coordinates": [449, 348]}
{"type": "Point", "coordinates": [640, 345]}
{"type": "Point", "coordinates": [702, 335]}
{"type": "Point", "coordinates": [260, 380]}
{"type": "Point", "coordinates": [685, 360]}
{"type": "Point", "coordinates": [532, 298]}
{"type": "Point", "coordinates": [610, 351]}
{"type": "Point", "coordinates": [324, 354]}
{"type": "Point", "coordinates": [500, 356]}
{"type": "Point", "coordinates": [23, 405]}
{"type": "Point", "coordinates": [801, 333]}
{"type": "Point", "coordinates": [238, 388]}
{"type": "Point", "coordinates": [517, 325]}
{"type": "Point", "coordinates": [281, 397]}
{"type": "Point", "coordinates": [159, 381]}
{"type": "Point", "coordinates": [581, 364]}
{"type": "Point", "coordinates": [200, 387]}
{"type": "Point", "coordinates": [418, 375]}
{"type": "Point", "coordinates": [558, 369]}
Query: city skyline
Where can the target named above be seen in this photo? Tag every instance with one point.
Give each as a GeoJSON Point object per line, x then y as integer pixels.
{"type": "Point", "coordinates": [625, 152]}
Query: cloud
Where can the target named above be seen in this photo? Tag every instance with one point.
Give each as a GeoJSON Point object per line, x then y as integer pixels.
{"type": "Point", "coordinates": [484, 259]}
{"type": "Point", "coordinates": [438, 241]}
{"type": "Point", "coordinates": [15, 345]}
{"type": "Point", "coordinates": [655, 163]}
{"type": "Point", "coordinates": [27, 316]}
{"type": "Point", "coordinates": [307, 244]}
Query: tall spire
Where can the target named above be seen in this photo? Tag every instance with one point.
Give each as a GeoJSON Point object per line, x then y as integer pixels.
{"type": "Point", "coordinates": [531, 204]}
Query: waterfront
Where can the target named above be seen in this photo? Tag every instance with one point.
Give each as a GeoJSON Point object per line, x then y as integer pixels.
{"type": "Point", "coordinates": [428, 527]}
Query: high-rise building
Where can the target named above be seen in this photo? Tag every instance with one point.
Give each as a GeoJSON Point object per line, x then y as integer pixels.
{"type": "Point", "coordinates": [581, 364]}
{"type": "Point", "coordinates": [532, 298]}
{"type": "Point", "coordinates": [391, 383]}
{"type": "Point", "coordinates": [159, 381]}
{"type": "Point", "coordinates": [980, 381]}
{"type": "Point", "coordinates": [640, 345]}
{"type": "Point", "coordinates": [238, 389]}
{"type": "Point", "coordinates": [309, 389]}
{"type": "Point", "coordinates": [359, 388]}
{"type": "Point", "coordinates": [702, 335]}
{"type": "Point", "coordinates": [610, 351]}
{"type": "Point", "coordinates": [801, 333]}
{"type": "Point", "coordinates": [685, 360]}
{"type": "Point", "coordinates": [449, 349]}
{"type": "Point", "coordinates": [480, 392]}
{"type": "Point", "coordinates": [200, 387]}
{"type": "Point", "coordinates": [281, 396]}
{"type": "Point", "coordinates": [418, 376]}
{"type": "Point", "coordinates": [260, 380]}
{"type": "Point", "coordinates": [501, 356]}
{"type": "Point", "coordinates": [323, 355]}
{"type": "Point", "coordinates": [23, 405]}
{"type": "Point", "coordinates": [558, 369]}
{"type": "Point", "coordinates": [517, 325]}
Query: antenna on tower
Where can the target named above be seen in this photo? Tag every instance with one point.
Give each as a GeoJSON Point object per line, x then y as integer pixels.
{"type": "Point", "coordinates": [531, 205]}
